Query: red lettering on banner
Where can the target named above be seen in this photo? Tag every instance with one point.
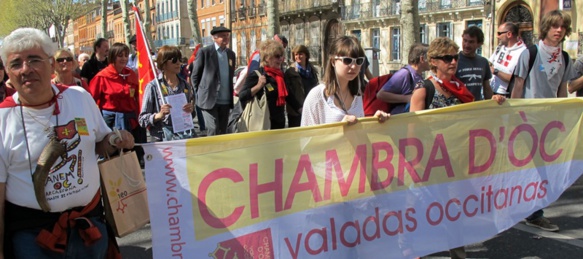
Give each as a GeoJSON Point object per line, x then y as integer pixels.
{"type": "Point", "coordinates": [465, 207]}
{"type": "Point", "coordinates": [375, 220]}
{"type": "Point", "coordinates": [438, 145]}
{"type": "Point", "coordinates": [497, 198]}
{"type": "Point", "coordinates": [310, 185]}
{"type": "Point", "coordinates": [409, 215]}
{"type": "Point", "coordinates": [404, 164]}
{"type": "Point", "coordinates": [447, 209]}
{"type": "Point", "coordinates": [333, 164]}
{"type": "Point", "coordinates": [343, 234]}
{"type": "Point", "coordinates": [207, 215]}
{"type": "Point", "coordinates": [294, 252]}
{"type": "Point", "coordinates": [255, 188]}
{"type": "Point", "coordinates": [543, 139]}
{"type": "Point", "coordinates": [387, 149]}
{"type": "Point", "coordinates": [474, 134]}
{"type": "Point", "coordinates": [324, 237]}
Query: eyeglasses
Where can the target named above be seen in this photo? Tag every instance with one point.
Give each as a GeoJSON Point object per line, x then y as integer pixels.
{"type": "Point", "coordinates": [501, 32]}
{"type": "Point", "coordinates": [61, 60]}
{"type": "Point", "coordinates": [34, 63]}
{"type": "Point", "coordinates": [447, 58]}
{"type": "Point", "coordinates": [349, 61]}
{"type": "Point", "coordinates": [278, 56]}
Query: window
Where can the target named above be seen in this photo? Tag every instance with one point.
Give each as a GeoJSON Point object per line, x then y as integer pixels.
{"type": "Point", "coordinates": [222, 20]}
{"type": "Point", "coordinates": [356, 9]}
{"type": "Point", "coordinates": [423, 34]}
{"type": "Point", "coordinates": [422, 5]}
{"type": "Point", "coordinates": [477, 23]}
{"type": "Point", "coordinates": [376, 8]}
{"type": "Point", "coordinates": [299, 39]}
{"type": "Point", "coordinates": [395, 43]}
{"type": "Point", "coordinates": [376, 38]}
{"type": "Point", "coordinates": [243, 47]}
{"type": "Point", "coordinates": [444, 29]}
{"type": "Point", "coordinates": [445, 4]}
{"type": "Point", "coordinates": [253, 41]}
{"type": "Point", "coordinates": [356, 33]}
{"type": "Point", "coordinates": [202, 3]}
{"type": "Point", "coordinates": [177, 30]}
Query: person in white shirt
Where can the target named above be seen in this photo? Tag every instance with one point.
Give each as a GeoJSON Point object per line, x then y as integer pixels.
{"type": "Point", "coordinates": [505, 58]}
{"type": "Point", "coordinates": [340, 97]}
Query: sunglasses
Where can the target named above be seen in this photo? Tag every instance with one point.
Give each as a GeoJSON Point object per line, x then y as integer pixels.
{"type": "Point", "coordinates": [447, 58]}
{"type": "Point", "coordinates": [277, 56]}
{"type": "Point", "coordinates": [61, 60]}
{"type": "Point", "coordinates": [173, 59]}
{"type": "Point", "coordinates": [349, 61]}
{"type": "Point", "coordinates": [501, 32]}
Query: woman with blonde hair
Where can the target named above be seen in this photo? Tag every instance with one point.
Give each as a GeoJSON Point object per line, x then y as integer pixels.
{"type": "Point", "coordinates": [268, 79]}
{"type": "Point", "coordinates": [339, 98]}
{"type": "Point", "coordinates": [65, 68]}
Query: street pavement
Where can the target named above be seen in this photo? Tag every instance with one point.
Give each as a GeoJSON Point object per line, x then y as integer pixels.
{"type": "Point", "coordinates": [520, 241]}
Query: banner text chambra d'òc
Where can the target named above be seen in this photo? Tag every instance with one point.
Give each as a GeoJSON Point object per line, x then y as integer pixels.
{"type": "Point", "coordinates": [419, 183]}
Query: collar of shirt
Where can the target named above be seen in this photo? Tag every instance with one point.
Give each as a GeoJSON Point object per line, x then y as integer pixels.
{"type": "Point", "coordinates": [218, 48]}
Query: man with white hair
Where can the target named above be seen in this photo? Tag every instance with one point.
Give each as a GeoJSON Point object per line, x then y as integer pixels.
{"type": "Point", "coordinates": [50, 202]}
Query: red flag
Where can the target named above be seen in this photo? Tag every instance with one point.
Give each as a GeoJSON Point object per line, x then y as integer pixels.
{"type": "Point", "coordinates": [145, 64]}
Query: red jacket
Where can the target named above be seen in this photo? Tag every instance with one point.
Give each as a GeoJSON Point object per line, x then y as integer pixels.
{"type": "Point", "coordinates": [113, 91]}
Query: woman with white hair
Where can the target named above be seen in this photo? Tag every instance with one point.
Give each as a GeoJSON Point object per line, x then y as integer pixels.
{"type": "Point", "coordinates": [65, 69]}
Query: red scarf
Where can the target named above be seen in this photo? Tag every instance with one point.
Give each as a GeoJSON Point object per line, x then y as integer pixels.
{"type": "Point", "coordinates": [281, 89]}
{"type": "Point", "coordinates": [459, 90]}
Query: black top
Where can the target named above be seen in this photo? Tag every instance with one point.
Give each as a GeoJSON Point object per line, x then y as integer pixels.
{"type": "Point", "coordinates": [92, 67]}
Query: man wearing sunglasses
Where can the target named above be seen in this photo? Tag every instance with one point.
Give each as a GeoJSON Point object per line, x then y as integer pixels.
{"type": "Point", "coordinates": [473, 69]}
{"type": "Point", "coordinates": [212, 78]}
{"type": "Point", "coordinates": [505, 57]}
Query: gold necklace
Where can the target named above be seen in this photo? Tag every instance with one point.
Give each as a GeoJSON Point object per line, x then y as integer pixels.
{"type": "Point", "coordinates": [47, 126]}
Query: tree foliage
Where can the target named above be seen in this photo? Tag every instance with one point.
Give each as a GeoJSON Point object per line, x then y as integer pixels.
{"type": "Point", "coordinates": [42, 14]}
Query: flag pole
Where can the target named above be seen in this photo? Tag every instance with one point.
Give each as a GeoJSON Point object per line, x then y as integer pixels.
{"type": "Point", "coordinates": [137, 14]}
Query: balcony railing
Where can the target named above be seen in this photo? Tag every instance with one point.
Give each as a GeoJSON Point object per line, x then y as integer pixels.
{"type": "Point", "coordinates": [170, 42]}
{"type": "Point", "coordinates": [233, 15]}
{"type": "Point", "coordinates": [444, 5]}
{"type": "Point", "coordinates": [303, 5]}
{"type": "Point", "coordinates": [371, 10]}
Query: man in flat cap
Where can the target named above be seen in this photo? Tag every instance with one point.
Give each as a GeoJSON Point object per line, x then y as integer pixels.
{"type": "Point", "coordinates": [212, 78]}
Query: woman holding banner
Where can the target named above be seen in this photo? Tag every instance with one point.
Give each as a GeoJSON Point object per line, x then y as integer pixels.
{"type": "Point", "coordinates": [340, 97]}
{"type": "Point", "coordinates": [443, 89]}
{"type": "Point", "coordinates": [155, 114]}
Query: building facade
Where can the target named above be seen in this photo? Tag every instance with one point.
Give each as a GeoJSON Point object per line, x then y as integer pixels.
{"type": "Point", "coordinates": [172, 24]}
{"type": "Point", "coordinates": [313, 23]}
{"type": "Point", "coordinates": [248, 20]}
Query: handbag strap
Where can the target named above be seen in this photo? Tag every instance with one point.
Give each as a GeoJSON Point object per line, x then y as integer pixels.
{"type": "Point", "coordinates": [258, 75]}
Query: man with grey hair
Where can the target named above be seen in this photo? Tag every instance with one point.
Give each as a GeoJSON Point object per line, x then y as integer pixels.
{"type": "Point", "coordinates": [398, 90]}
{"type": "Point", "coordinates": [212, 78]}
{"type": "Point", "coordinates": [50, 199]}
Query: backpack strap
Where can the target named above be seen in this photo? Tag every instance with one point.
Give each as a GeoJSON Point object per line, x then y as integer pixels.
{"type": "Point", "coordinates": [429, 92]}
{"type": "Point", "coordinates": [567, 59]}
{"type": "Point", "coordinates": [533, 51]}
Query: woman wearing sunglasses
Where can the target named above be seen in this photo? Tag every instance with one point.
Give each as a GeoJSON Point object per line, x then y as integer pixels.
{"type": "Point", "coordinates": [155, 116]}
{"type": "Point", "coordinates": [340, 97]}
{"type": "Point", "coordinates": [442, 88]}
{"type": "Point", "coordinates": [65, 68]}
{"type": "Point", "coordinates": [268, 79]}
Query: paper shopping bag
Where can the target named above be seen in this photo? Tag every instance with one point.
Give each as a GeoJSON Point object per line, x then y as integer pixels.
{"type": "Point", "coordinates": [125, 198]}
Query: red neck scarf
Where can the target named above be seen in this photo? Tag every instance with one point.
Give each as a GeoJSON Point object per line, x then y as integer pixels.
{"type": "Point", "coordinates": [281, 89]}
{"type": "Point", "coordinates": [457, 88]}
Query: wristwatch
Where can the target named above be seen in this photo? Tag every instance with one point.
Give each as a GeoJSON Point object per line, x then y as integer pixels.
{"type": "Point", "coordinates": [495, 71]}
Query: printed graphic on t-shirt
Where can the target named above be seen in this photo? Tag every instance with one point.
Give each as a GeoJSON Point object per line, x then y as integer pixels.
{"type": "Point", "coordinates": [66, 175]}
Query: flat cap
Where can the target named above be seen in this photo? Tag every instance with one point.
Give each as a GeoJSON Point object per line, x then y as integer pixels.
{"type": "Point", "coordinates": [216, 30]}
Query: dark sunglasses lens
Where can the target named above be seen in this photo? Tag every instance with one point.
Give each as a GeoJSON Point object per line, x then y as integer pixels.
{"type": "Point", "coordinates": [450, 58]}
{"type": "Point", "coordinates": [359, 61]}
{"type": "Point", "coordinates": [68, 59]}
{"type": "Point", "coordinates": [347, 61]}
{"type": "Point", "coordinates": [174, 60]}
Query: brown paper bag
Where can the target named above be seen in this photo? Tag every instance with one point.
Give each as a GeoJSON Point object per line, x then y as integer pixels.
{"type": "Point", "coordinates": [124, 193]}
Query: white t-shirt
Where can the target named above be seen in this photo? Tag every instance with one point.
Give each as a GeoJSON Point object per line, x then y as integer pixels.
{"type": "Point", "coordinates": [505, 59]}
{"type": "Point", "coordinates": [74, 180]}
{"type": "Point", "coordinates": [319, 109]}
